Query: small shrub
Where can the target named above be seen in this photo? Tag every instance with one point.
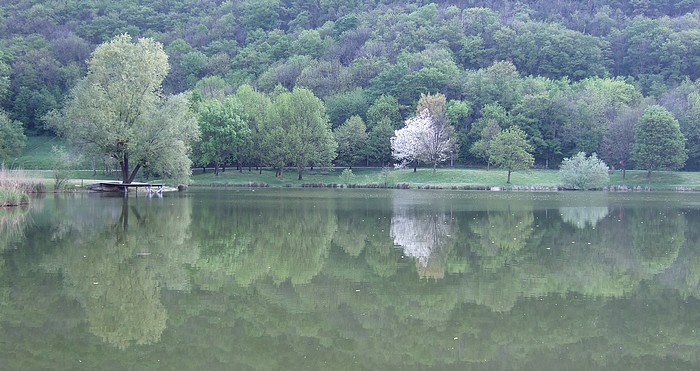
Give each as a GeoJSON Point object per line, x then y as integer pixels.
{"type": "Point", "coordinates": [581, 172]}
{"type": "Point", "coordinates": [347, 176]}
{"type": "Point", "coordinates": [63, 163]}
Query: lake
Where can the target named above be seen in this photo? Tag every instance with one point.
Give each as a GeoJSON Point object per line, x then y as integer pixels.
{"type": "Point", "coordinates": [298, 279]}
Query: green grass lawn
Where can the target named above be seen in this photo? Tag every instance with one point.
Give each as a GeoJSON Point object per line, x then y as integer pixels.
{"type": "Point", "coordinates": [445, 178]}
{"type": "Point", "coordinates": [36, 154]}
{"type": "Point", "coordinates": [422, 178]}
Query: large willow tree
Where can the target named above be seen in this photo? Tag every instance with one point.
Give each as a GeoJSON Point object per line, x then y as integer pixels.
{"type": "Point", "coordinates": [118, 111]}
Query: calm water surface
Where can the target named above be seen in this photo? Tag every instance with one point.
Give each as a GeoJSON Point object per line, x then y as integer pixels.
{"type": "Point", "coordinates": [351, 280]}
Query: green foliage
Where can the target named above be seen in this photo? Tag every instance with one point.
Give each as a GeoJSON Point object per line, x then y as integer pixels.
{"type": "Point", "coordinates": [347, 176]}
{"type": "Point", "coordinates": [581, 172]}
{"type": "Point", "coordinates": [117, 111]}
{"type": "Point", "coordinates": [385, 108]}
{"type": "Point", "coordinates": [12, 138]}
{"type": "Point", "coordinates": [690, 127]}
{"type": "Point", "coordinates": [542, 65]}
{"type": "Point", "coordinates": [4, 77]}
{"type": "Point", "coordinates": [511, 150]}
{"type": "Point", "coordinates": [352, 140]}
{"type": "Point", "coordinates": [480, 148]}
{"type": "Point", "coordinates": [341, 107]}
{"type": "Point", "coordinates": [658, 141]}
{"type": "Point", "coordinates": [64, 162]}
{"type": "Point", "coordinates": [224, 133]}
{"type": "Point", "coordinates": [300, 130]}
{"type": "Point", "coordinates": [378, 148]}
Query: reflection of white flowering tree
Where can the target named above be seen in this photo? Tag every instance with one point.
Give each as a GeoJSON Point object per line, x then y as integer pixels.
{"type": "Point", "coordinates": [579, 217]}
{"type": "Point", "coordinates": [421, 234]}
{"type": "Point", "coordinates": [422, 139]}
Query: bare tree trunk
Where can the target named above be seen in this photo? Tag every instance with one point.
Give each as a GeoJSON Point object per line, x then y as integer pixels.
{"type": "Point", "coordinates": [133, 173]}
{"type": "Point", "coordinates": [508, 181]}
{"type": "Point", "coordinates": [124, 164]}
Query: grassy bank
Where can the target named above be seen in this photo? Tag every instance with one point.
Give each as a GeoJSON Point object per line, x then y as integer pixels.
{"type": "Point", "coordinates": [37, 153]}
{"type": "Point", "coordinates": [443, 178]}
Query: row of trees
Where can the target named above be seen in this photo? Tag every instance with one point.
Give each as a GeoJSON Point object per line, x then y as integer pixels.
{"type": "Point", "coordinates": [369, 66]}
{"type": "Point", "coordinates": [119, 112]}
{"type": "Point", "coordinates": [255, 129]}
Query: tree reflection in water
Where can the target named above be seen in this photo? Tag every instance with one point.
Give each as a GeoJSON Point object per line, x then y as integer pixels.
{"type": "Point", "coordinates": [117, 261]}
{"type": "Point", "coordinates": [583, 216]}
{"type": "Point", "coordinates": [424, 233]}
{"type": "Point", "coordinates": [312, 280]}
{"type": "Point", "coordinates": [253, 240]}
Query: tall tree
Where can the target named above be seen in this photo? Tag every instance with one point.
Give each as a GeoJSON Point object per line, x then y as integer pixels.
{"type": "Point", "coordinates": [378, 147]}
{"type": "Point", "coordinates": [480, 148]}
{"type": "Point", "coordinates": [352, 140]}
{"type": "Point", "coordinates": [12, 138]}
{"type": "Point", "coordinates": [302, 118]}
{"type": "Point", "coordinates": [254, 111]}
{"type": "Point", "coordinates": [384, 107]}
{"type": "Point", "coordinates": [117, 110]}
{"type": "Point", "coordinates": [659, 143]}
{"type": "Point", "coordinates": [511, 150]}
{"type": "Point", "coordinates": [692, 130]}
{"type": "Point", "coordinates": [439, 144]}
{"type": "Point", "coordinates": [407, 142]}
{"type": "Point", "coordinates": [616, 148]}
{"type": "Point", "coordinates": [223, 133]}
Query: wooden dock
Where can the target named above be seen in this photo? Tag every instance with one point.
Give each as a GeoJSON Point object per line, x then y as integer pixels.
{"type": "Point", "coordinates": [149, 188]}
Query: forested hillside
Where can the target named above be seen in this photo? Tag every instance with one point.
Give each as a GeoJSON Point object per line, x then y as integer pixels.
{"type": "Point", "coordinates": [574, 75]}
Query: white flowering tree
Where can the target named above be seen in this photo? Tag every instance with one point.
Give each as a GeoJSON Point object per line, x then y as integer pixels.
{"type": "Point", "coordinates": [406, 144]}
{"type": "Point", "coordinates": [422, 139]}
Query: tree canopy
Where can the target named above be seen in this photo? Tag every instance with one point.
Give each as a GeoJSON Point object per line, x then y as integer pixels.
{"type": "Point", "coordinates": [118, 111]}
{"type": "Point", "coordinates": [566, 74]}
{"type": "Point", "coordinates": [511, 150]}
{"type": "Point", "coordinates": [659, 143]}
{"type": "Point", "coordinates": [12, 138]}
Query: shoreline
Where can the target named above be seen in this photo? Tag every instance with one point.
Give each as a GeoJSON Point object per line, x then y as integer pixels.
{"type": "Point", "coordinates": [444, 179]}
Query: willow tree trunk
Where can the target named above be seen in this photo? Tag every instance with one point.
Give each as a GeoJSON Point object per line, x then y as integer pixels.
{"type": "Point", "coordinates": [127, 177]}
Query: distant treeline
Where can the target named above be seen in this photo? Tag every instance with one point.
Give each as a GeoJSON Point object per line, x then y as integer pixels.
{"type": "Point", "coordinates": [575, 76]}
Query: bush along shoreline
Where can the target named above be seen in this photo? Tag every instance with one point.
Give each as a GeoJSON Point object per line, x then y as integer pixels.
{"type": "Point", "coordinates": [15, 187]}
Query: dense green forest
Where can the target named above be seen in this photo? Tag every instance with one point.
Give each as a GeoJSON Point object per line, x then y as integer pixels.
{"type": "Point", "coordinates": [575, 76]}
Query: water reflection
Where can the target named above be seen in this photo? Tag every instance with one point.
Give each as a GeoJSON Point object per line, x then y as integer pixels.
{"type": "Point", "coordinates": [114, 258]}
{"type": "Point", "coordinates": [13, 222]}
{"type": "Point", "coordinates": [249, 241]}
{"type": "Point", "coordinates": [583, 217]}
{"type": "Point", "coordinates": [316, 280]}
{"type": "Point", "coordinates": [423, 233]}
